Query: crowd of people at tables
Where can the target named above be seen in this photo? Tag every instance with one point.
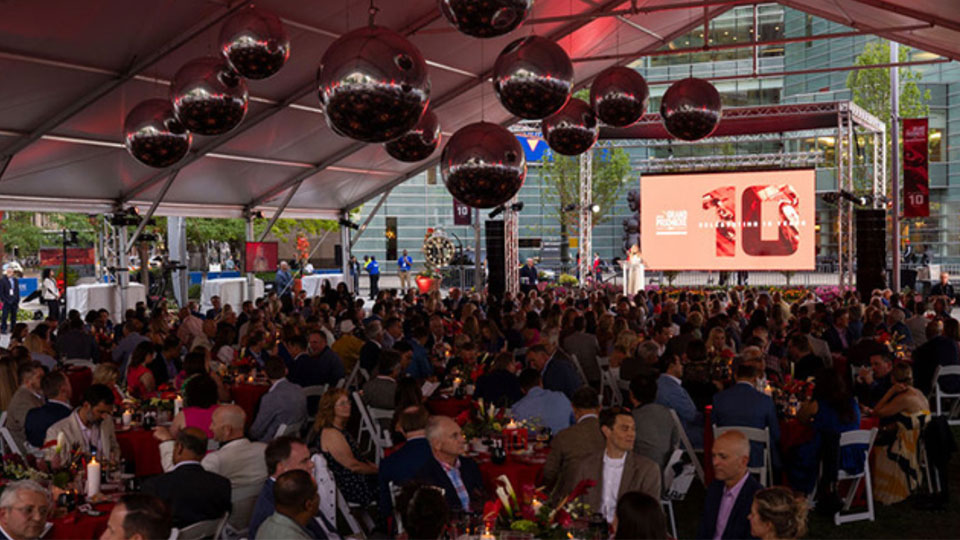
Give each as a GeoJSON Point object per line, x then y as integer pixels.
{"type": "Point", "coordinates": [541, 355]}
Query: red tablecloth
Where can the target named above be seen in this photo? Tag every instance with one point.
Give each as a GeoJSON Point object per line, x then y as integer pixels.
{"type": "Point", "coordinates": [247, 396]}
{"type": "Point", "coordinates": [139, 447]}
{"type": "Point", "coordinates": [80, 380]}
{"type": "Point", "coordinates": [78, 525]}
{"type": "Point", "coordinates": [448, 407]}
{"type": "Point", "coordinates": [520, 472]}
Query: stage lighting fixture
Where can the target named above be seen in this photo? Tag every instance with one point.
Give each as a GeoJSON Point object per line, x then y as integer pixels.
{"type": "Point", "coordinates": [595, 208]}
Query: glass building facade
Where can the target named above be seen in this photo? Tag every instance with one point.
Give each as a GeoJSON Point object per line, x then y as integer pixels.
{"type": "Point", "coordinates": [422, 202]}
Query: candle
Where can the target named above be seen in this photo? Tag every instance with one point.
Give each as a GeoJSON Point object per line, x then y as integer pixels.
{"type": "Point", "coordinates": [127, 417]}
{"type": "Point", "coordinates": [512, 425]}
{"type": "Point", "coordinates": [250, 379]}
{"type": "Point", "coordinates": [486, 534]}
{"type": "Point", "coordinates": [93, 478]}
{"type": "Point", "coordinates": [767, 389]}
{"type": "Point", "coordinates": [456, 383]}
{"type": "Point", "coordinates": [177, 405]}
{"type": "Point", "coordinates": [535, 504]}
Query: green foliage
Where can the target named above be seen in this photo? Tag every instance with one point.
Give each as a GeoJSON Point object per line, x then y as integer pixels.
{"type": "Point", "coordinates": [286, 230]}
{"type": "Point", "coordinates": [561, 178]}
{"type": "Point", "coordinates": [871, 90]}
{"type": "Point", "coordinates": [203, 230]}
{"type": "Point", "coordinates": [18, 231]}
{"type": "Point", "coordinates": [671, 275]}
{"type": "Point", "coordinates": [567, 280]}
{"type": "Point", "coordinates": [193, 292]}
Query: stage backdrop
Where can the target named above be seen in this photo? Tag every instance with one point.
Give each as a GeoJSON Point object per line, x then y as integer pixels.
{"type": "Point", "coordinates": [761, 220]}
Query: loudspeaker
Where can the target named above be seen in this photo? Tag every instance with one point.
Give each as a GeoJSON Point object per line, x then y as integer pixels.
{"type": "Point", "coordinates": [338, 256]}
{"type": "Point", "coordinates": [871, 239]}
{"type": "Point", "coordinates": [496, 269]}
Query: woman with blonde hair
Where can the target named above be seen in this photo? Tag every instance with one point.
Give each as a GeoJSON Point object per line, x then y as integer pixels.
{"type": "Point", "coordinates": [902, 412]}
{"type": "Point", "coordinates": [355, 477]}
{"type": "Point", "coordinates": [717, 342]}
{"type": "Point", "coordinates": [778, 514]}
{"type": "Point", "coordinates": [40, 347]}
{"type": "Point", "coordinates": [107, 374]}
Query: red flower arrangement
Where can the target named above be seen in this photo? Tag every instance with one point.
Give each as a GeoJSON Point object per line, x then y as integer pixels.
{"type": "Point", "coordinates": [529, 513]}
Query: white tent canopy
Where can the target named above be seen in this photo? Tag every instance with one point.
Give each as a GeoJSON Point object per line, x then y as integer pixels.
{"type": "Point", "coordinates": [72, 70]}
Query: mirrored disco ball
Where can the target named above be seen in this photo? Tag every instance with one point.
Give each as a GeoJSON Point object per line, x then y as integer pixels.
{"type": "Point", "coordinates": [485, 18]}
{"type": "Point", "coordinates": [533, 77]}
{"type": "Point", "coordinates": [619, 96]}
{"type": "Point", "coordinates": [483, 165]}
{"type": "Point", "coordinates": [255, 43]}
{"type": "Point", "coordinates": [691, 109]}
{"type": "Point", "coordinates": [418, 143]}
{"type": "Point", "coordinates": [208, 97]}
{"type": "Point", "coordinates": [154, 136]}
{"type": "Point", "coordinates": [373, 84]}
{"type": "Point", "coordinates": [573, 130]}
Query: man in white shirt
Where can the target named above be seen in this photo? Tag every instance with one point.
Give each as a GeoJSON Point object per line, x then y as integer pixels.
{"type": "Point", "coordinates": [617, 470]}
{"type": "Point", "coordinates": [90, 427]}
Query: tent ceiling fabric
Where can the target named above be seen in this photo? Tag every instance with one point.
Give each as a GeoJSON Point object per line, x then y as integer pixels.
{"type": "Point", "coordinates": [54, 54]}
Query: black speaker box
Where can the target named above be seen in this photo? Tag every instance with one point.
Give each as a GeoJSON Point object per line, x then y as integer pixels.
{"type": "Point", "coordinates": [496, 270]}
{"type": "Point", "coordinates": [871, 244]}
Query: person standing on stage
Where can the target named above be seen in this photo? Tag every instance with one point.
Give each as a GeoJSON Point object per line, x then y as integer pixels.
{"type": "Point", "coordinates": [355, 274]}
{"type": "Point", "coordinates": [373, 270]}
{"type": "Point", "coordinates": [528, 276]}
{"type": "Point", "coordinates": [9, 297]}
{"type": "Point", "coordinates": [404, 263]}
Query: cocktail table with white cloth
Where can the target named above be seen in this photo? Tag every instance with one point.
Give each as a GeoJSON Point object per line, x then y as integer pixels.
{"type": "Point", "coordinates": [83, 298]}
{"type": "Point", "coordinates": [231, 291]}
{"type": "Point", "coordinates": [313, 284]}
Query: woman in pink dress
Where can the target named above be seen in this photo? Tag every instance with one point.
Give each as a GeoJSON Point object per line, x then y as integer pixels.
{"type": "Point", "coordinates": [200, 400]}
{"type": "Point", "coordinates": [140, 381]}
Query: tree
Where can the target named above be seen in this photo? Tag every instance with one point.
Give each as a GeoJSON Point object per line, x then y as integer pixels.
{"type": "Point", "coordinates": [19, 232]}
{"type": "Point", "coordinates": [560, 176]}
{"type": "Point", "coordinates": [871, 90]}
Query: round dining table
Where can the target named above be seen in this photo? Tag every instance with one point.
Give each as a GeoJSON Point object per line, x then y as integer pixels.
{"type": "Point", "coordinates": [247, 396]}
{"type": "Point", "coordinates": [138, 446]}
{"type": "Point", "coordinates": [78, 524]}
{"type": "Point", "coordinates": [448, 406]}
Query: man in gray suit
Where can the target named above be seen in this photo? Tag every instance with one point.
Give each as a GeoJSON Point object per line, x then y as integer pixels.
{"type": "Point", "coordinates": [28, 396]}
{"type": "Point", "coordinates": [379, 391]}
{"type": "Point", "coordinates": [586, 348]}
{"type": "Point", "coordinates": [284, 403]}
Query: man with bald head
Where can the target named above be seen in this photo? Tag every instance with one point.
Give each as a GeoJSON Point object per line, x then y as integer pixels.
{"type": "Point", "coordinates": [730, 495]}
{"type": "Point", "coordinates": [192, 493]}
{"type": "Point", "coordinates": [238, 459]}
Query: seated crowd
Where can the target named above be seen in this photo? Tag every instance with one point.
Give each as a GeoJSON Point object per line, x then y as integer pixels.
{"type": "Point", "coordinates": [672, 363]}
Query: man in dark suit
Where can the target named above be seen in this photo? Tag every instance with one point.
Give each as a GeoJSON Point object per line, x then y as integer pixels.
{"type": "Point", "coordinates": [9, 297]}
{"type": "Point", "coordinates": [192, 493]}
{"type": "Point", "coordinates": [57, 389]}
{"type": "Point", "coordinates": [528, 276]}
{"type": "Point", "coordinates": [401, 466]}
{"type": "Point", "coordinates": [556, 373]}
{"type": "Point", "coordinates": [939, 350]}
{"type": "Point", "coordinates": [805, 363]}
{"type": "Point", "coordinates": [586, 348]}
{"type": "Point", "coordinates": [743, 405]}
{"type": "Point", "coordinates": [370, 352]}
{"type": "Point", "coordinates": [449, 467]}
{"type": "Point", "coordinates": [283, 404]}
{"type": "Point", "coordinates": [316, 365]}
{"type": "Point", "coordinates": [730, 495]}
{"type": "Point", "coordinates": [572, 445]}
{"type": "Point", "coordinates": [284, 454]}
{"type": "Point", "coordinates": [943, 288]}
{"type": "Point", "coordinates": [838, 335]}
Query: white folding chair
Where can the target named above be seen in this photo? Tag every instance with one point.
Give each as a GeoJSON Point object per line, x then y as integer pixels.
{"type": "Point", "coordinates": [372, 428]}
{"type": "Point", "coordinates": [576, 364]}
{"type": "Point", "coordinates": [940, 396]}
{"type": "Point", "coordinates": [688, 448]}
{"type": "Point", "coordinates": [210, 528]}
{"type": "Point", "coordinates": [351, 379]}
{"type": "Point", "coordinates": [608, 386]}
{"type": "Point", "coordinates": [753, 435]}
{"type": "Point", "coordinates": [331, 499]}
{"type": "Point", "coordinates": [81, 362]}
{"type": "Point", "coordinates": [284, 429]}
{"type": "Point", "coordinates": [676, 484]}
{"type": "Point", "coordinates": [6, 438]}
{"type": "Point", "coordinates": [857, 436]}
{"type": "Point", "coordinates": [397, 514]}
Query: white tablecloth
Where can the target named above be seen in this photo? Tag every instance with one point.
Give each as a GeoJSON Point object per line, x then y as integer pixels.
{"type": "Point", "coordinates": [313, 284]}
{"type": "Point", "coordinates": [83, 298]}
{"type": "Point", "coordinates": [231, 291]}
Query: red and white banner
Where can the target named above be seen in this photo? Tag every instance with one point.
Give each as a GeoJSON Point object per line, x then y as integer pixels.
{"type": "Point", "coordinates": [75, 257]}
{"type": "Point", "coordinates": [916, 176]}
{"type": "Point", "coordinates": [760, 220]}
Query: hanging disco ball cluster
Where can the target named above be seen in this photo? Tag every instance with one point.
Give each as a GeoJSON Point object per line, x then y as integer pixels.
{"type": "Point", "coordinates": [208, 95]}
{"type": "Point", "coordinates": [690, 109]}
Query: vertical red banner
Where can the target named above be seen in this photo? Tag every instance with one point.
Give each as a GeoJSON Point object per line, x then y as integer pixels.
{"type": "Point", "coordinates": [461, 213]}
{"type": "Point", "coordinates": [916, 175]}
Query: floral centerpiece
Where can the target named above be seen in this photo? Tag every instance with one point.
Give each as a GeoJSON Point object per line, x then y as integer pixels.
{"type": "Point", "coordinates": [529, 513]}
{"type": "Point", "coordinates": [895, 343]}
{"type": "Point", "coordinates": [481, 421]}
